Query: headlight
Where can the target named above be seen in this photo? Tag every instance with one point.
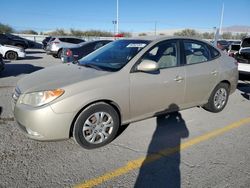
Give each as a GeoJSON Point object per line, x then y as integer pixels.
{"type": "Point", "coordinates": [40, 98]}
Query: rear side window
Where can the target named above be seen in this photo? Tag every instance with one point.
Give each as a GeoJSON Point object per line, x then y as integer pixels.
{"type": "Point", "coordinates": [214, 53]}
{"type": "Point", "coordinates": [63, 39]}
{"type": "Point", "coordinates": [195, 52]}
{"type": "Point", "coordinates": [52, 39]}
{"type": "Point", "coordinates": [77, 41]}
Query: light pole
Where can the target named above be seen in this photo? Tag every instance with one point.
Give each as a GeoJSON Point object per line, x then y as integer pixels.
{"type": "Point", "coordinates": [221, 19]}
{"type": "Point", "coordinates": [114, 23]}
{"type": "Point", "coordinates": [117, 16]}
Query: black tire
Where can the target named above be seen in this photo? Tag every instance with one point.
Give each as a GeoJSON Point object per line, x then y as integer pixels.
{"type": "Point", "coordinates": [213, 104]}
{"type": "Point", "coordinates": [11, 55]}
{"type": "Point", "coordinates": [88, 114]}
{"type": "Point", "coordinates": [59, 53]}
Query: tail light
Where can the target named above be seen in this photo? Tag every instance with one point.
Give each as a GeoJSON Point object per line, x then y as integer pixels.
{"type": "Point", "coordinates": [55, 42]}
{"type": "Point", "coordinates": [68, 53]}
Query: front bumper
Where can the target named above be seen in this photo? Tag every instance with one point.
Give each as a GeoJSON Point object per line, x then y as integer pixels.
{"type": "Point", "coordinates": [42, 123]}
{"type": "Point", "coordinates": [21, 54]}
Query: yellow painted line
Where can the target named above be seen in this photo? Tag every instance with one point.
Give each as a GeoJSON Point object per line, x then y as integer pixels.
{"type": "Point", "coordinates": [135, 164]}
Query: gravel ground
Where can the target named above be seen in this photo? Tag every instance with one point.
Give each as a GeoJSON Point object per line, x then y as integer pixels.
{"type": "Point", "coordinates": [222, 161]}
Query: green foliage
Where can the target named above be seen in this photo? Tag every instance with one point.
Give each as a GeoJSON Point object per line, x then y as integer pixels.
{"type": "Point", "coordinates": [142, 34]}
{"type": "Point", "coordinates": [6, 28]}
{"type": "Point", "coordinates": [32, 32]}
{"type": "Point", "coordinates": [207, 35]}
{"type": "Point", "coordinates": [239, 36]}
{"type": "Point", "coordinates": [97, 33]}
{"type": "Point", "coordinates": [227, 35]}
{"type": "Point", "coordinates": [57, 32]}
{"type": "Point", "coordinates": [188, 33]}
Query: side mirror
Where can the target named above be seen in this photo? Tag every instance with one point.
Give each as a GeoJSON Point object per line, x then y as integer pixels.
{"type": "Point", "coordinates": [148, 66]}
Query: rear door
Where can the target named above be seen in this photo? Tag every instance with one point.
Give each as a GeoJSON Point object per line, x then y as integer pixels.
{"type": "Point", "coordinates": [201, 72]}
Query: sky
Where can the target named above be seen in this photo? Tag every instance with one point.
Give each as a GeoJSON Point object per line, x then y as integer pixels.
{"type": "Point", "coordinates": [134, 15]}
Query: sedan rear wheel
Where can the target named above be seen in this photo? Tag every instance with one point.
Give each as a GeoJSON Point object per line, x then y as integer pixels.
{"type": "Point", "coordinates": [218, 98]}
{"type": "Point", "coordinates": [96, 126]}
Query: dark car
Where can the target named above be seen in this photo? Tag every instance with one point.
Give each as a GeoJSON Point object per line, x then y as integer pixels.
{"type": "Point", "coordinates": [243, 56]}
{"type": "Point", "coordinates": [1, 63]}
{"type": "Point", "coordinates": [244, 52]}
{"type": "Point", "coordinates": [74, 54]}
{"type": "Point", "coordinates": [233, 49]}
{"type": "Point", "coordinates": [45, 42]}
{"type": "Point", "coordinates": [7, 40]}
{"type": "Point", "coordinates": [223, 45]}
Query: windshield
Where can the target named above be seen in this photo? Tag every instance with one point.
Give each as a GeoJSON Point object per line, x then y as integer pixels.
{"type": "Point", "coordinates": [114, 55]}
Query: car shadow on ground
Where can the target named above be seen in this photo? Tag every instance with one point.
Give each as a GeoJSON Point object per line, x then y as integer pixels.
{"type": "Point", "coordinates": [12, 69]}
{"type": "Point", "coordinates": [28, 57]}
{"type": "Point", "coordinates": [245, 89]}
{"type": "Point", "coordinates": [165, 171]}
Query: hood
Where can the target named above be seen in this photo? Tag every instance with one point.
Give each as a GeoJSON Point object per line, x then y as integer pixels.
{"type": "Point", "coordinates": [57, 77]}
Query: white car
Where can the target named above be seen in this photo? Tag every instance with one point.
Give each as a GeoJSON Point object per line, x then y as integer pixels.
{"type": "Point", "coordinates": [12, 52]}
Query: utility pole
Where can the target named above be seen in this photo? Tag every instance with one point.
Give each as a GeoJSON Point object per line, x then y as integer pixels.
{"type": "Point", "coordinates": [155, 27]}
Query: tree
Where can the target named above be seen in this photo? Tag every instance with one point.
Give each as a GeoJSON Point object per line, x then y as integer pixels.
{"type": "Point", "coordinates": [142, 34]}
{"type": "Point", "coordinates": [187, 33]}
{"type": "Point", "coordinates": [32, 32]}
{"type": "Point", "coordinates": [57, 32]}
{"type": "Point", "coordinates": [227, 35]}
{"type": "Point", "coordinates": [77, 33]}
{"type": "Point", "coordinates": [207, 35]}
{"type": "Point", "coordinates": [126, 34]}
{"type": "Point", "coordinates": [6, 28]}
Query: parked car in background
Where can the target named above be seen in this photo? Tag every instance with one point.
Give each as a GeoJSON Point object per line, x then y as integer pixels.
{"type": "Point", "coordinates": [125, 81]}
{"type": "Point", "coordinates": [233, 49]}
{"type": "Point", "coordinates": [29, 43]}
{"type": "Point", "coordinates": [7, 40]}
{"type": "Point", "coordinates": [243, 56]}
{"type": "Point", "coordinates": [234, 42]}
{"type": "Point", "coordinates": [76, 53]}
{"type": "Point", "coordinates": [1, 62]}
{"type": "Point", "coordinates": [45, 42]}
{"type": "Point", "coordinates": [56, 44]}
{"type": "Point", "coordinates": [12, 52]}
{"type": "Point", "coordinates": [223, 45]}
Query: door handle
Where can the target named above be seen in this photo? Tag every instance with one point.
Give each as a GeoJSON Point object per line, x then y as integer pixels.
{"type": "Point", "coordinates": [214, 72]}
{"type": "Point", "coordinates": [178, 78]}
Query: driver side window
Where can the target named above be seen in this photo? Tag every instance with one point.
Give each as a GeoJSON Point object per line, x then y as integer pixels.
{"type": "Point", "coordinates": [164, 54]}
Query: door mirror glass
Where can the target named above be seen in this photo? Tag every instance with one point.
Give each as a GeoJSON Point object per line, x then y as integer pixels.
{"type": "Point", "coordinates": [148, 66]}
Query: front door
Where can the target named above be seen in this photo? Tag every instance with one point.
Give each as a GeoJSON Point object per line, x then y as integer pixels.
{"type": "Point", "coordinates": [153, 92]}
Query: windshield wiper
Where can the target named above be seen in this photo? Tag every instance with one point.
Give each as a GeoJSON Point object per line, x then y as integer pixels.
{"type": "Point", "coordinates": [92, 66]}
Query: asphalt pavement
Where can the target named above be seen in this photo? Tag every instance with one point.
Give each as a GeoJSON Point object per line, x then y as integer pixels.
{"type": "Point", "coordinates": [191, 148]}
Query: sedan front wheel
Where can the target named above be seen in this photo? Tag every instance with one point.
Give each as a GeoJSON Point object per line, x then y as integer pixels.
{"type": "Point", "coordinates": [96, 126]}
